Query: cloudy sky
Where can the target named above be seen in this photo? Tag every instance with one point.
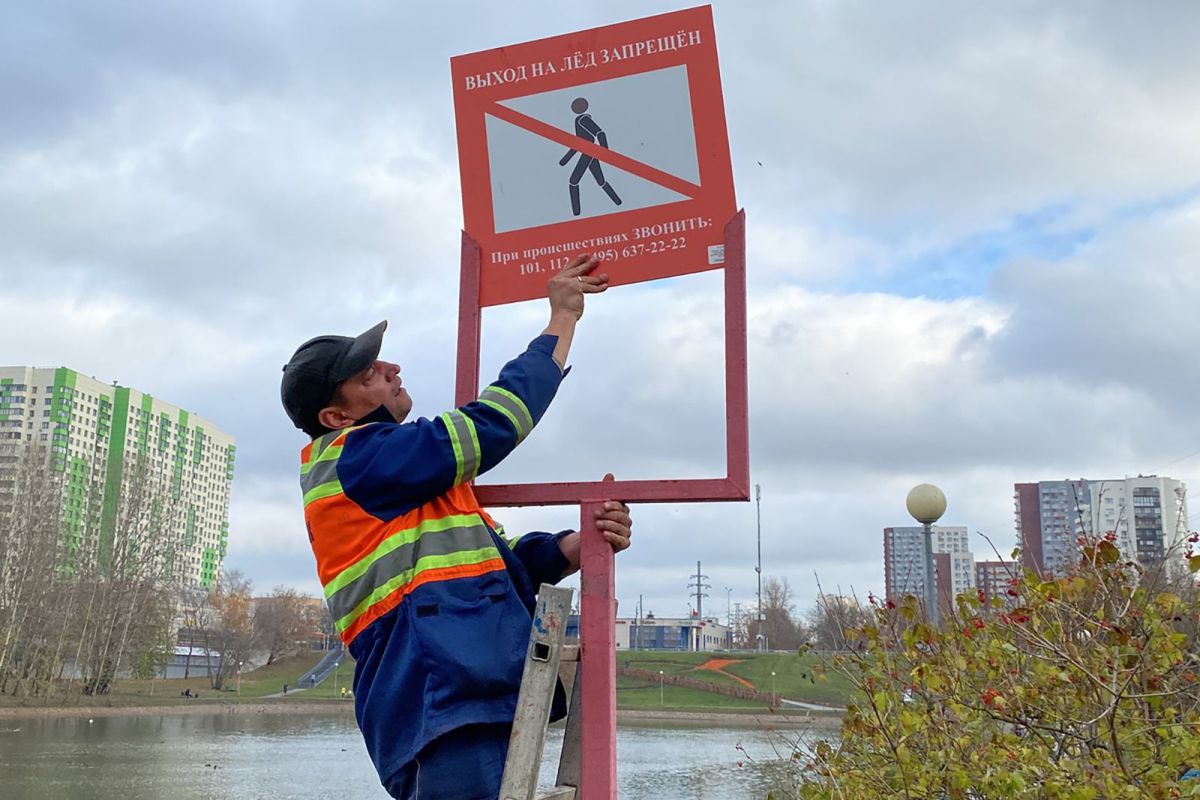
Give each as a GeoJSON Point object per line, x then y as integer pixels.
{"type": "Point", "coordinates": [973, 238]}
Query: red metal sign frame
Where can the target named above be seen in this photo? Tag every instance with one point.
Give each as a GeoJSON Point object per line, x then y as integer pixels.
{"type": "Point", "coordinates": [736, 483]}
{"type": "Point", "coordinates": [707, 205]}
{"type": "Point", "coordinates": [598, 604]}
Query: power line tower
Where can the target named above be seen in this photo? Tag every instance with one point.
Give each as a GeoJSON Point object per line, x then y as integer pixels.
{"type": "Point", "coordinates": [698, 583]}
{"type": "Point", "coordinates": [738, 626]}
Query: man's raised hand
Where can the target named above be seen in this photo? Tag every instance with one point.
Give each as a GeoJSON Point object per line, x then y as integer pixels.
{"type": "Point", "coordinates": [567, 288]}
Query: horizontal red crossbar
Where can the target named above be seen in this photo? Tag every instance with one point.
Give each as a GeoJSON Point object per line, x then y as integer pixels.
{"type": "Point", "coordinates": [693, 490]}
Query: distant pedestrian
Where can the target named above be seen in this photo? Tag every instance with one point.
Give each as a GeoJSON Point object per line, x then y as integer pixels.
{"type": "Point", "coordinates": [285, 688]}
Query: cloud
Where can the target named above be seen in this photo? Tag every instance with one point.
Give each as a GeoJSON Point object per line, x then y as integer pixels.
{"type": "Point", "coordinates": [970, 240]}
{"type": "Point", "coordinates": [1122, 312]}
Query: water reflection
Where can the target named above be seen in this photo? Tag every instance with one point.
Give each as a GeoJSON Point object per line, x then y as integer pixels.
{"type": "Point", "coordinates": [301, 757]}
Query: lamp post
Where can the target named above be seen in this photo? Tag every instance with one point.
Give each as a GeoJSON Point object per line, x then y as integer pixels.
{"type": "Point", "coordinates": [758, 567]}
{"type": "Point", "coordinates": [772, 689]}
{"type": "Point", "coordinates": [662, 697]}
{"type": "Point", "coordinates": [239, 688]}
{"type": "Point", "coordinates": [926, 504]}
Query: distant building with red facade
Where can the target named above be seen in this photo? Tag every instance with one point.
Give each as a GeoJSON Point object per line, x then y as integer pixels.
{"type": "Point", "coordinates": [994, 578]}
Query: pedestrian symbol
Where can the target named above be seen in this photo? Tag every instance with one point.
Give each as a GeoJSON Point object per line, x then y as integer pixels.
{"type": "Point", "coordinates": [586, 128]}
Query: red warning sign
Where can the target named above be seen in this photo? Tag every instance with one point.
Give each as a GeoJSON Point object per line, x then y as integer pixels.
{"type": "Point", "coordinates": [608, 141]}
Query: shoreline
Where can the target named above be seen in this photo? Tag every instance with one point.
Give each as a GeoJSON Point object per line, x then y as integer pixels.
{"type": "Point", "coordinates": [181, 710]}
{"type": "Point", "coordinates": [634, 716]}
{"type": "Point", "coordinates": [726, 719]}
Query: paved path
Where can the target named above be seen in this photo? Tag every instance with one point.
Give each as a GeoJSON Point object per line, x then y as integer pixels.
{"type": "Point", "coordinates": [283, 694]}
{"type": "Point", "coordinates": [810, 706]}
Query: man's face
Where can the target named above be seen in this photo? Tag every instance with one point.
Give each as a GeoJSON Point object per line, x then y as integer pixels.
{"type": "Point", "coordinates": [377, 385]}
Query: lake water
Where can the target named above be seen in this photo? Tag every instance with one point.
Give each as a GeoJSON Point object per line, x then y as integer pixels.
{"type": "Point", "coordinates": [304, 757]}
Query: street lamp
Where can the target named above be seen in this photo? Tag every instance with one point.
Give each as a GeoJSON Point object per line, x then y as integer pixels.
{"type": "Point", "coordinates": [926, 504]}
{"type": "Point", "coordinates": [758, 568]}
{"type": "Point", "coordinates": [239, 691]}
{"type": "Point", "coordinates": [662, 698]}
{"type": "Point", "coordinates": [772, 689]}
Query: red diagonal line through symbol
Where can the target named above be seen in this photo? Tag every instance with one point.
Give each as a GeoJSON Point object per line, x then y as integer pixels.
{"type": "Point", "coordinates": [605, 155]}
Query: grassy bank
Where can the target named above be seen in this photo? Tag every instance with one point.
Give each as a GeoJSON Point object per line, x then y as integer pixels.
{"type": "Point", "coordinates": [254, 686]}
{"type": "Point", "coordinates": [638, 694]}
{"type": "Point", "coordinates": [792, 679]}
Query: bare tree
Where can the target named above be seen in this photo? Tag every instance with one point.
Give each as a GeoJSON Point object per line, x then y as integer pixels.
{"type": "Point", "coordinates": [329, 631]}
{"type": "Point", "coordinates": [89, 567]}
{"type": "Point", "coordinates": [831, 617]}
{"type": "Point", "coordinates": [129, 609]}
{"type": "Point", "coordinates": [780, 629]}
{"type": "Point", "coordinates": [282, 623]}
{"type": "Point", "coordinates": [30, 544]}
{"type": "Point", "coordinates": [200, 621]}
{"type": "Point", "coordinates": [234, 635]}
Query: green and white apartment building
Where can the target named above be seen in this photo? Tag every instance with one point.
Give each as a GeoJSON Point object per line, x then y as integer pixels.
{"type": "Point", "coordinates": [93, 432]}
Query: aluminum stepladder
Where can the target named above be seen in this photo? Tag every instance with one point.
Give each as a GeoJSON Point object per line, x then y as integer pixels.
{"type": "Point", "coordinates": [542, 659]}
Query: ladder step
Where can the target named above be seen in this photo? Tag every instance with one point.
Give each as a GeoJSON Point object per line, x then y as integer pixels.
{"type": "Point", "coordinates": [557, 793]}
{"type": "Point", "coordinates": [569, 652]}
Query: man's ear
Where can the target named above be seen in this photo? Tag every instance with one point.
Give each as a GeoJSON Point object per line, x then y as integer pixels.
{"type": "Point", "coordinates": [334, 418]}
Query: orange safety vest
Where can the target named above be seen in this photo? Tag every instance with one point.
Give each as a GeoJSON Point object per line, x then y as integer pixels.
{"type": "Point", "coordinates": [367, 565]}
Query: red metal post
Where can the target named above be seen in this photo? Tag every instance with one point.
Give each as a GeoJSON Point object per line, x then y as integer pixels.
{"type": "Point", "coordinates": [597, 659]}
{"type": "Point", "coordinates": [737, 402]}
{"type": "Point", "coordinates": [466, 376]}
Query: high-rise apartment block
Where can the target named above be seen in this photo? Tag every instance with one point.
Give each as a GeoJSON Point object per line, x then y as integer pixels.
{"type": "Point", "coordinates": [1050, 516]}
{"type": "Point", "coordinates": [1147, 514]}
{"type": "Point", "coordinates": [93, 433]}
{"type": "Point", "coordinates": [904, 560]}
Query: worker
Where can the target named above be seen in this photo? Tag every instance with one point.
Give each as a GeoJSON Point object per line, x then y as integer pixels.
{"type": "Point", "coordinates": [432, 600]}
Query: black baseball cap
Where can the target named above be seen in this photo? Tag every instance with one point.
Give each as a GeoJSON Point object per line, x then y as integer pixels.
{"type": "Point", "coordinates": [316, 369]}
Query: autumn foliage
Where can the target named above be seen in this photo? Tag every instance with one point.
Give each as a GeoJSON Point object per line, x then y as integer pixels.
{"type": "Point", "coordinates": [1080, 687]}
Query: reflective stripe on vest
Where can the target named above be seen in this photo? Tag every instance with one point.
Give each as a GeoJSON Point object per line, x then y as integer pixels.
{"type": "Point", "coordinates": [318, 466]}
{"type": "Point", "coordinates": [465, 442]}
{"type": "Point", "coordinates": [424, 550]}
{"type": "Point", "coordinates": [510, 406]}
{"type": "Point", "coordinates": [433, 544]}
